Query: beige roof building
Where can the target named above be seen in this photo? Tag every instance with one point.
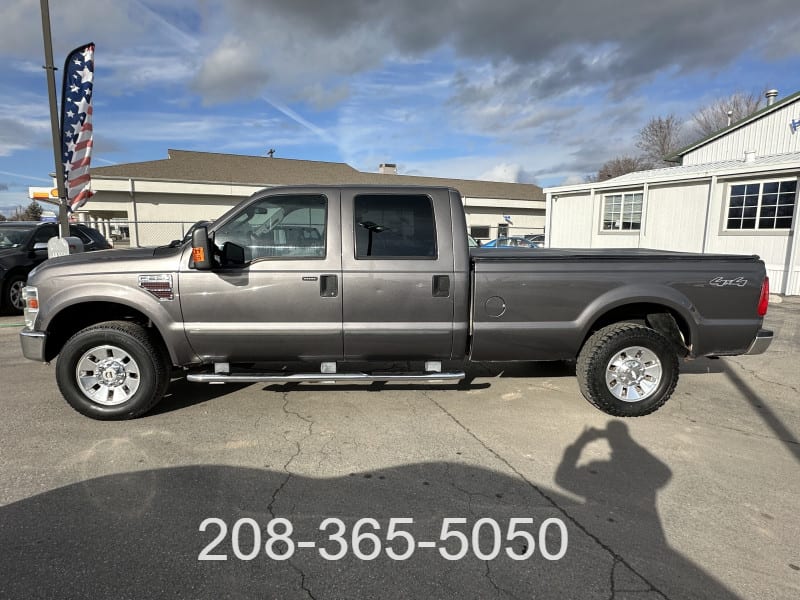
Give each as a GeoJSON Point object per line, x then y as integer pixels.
{"type": "Point", "coordinates": [155, 201]}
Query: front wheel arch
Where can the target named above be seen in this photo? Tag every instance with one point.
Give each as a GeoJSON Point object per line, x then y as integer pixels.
{"type": "Point", "coordinates": [71, 319]}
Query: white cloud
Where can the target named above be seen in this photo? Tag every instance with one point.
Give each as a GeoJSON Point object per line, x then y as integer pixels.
{"type": "Point", "coordinates": [509, 172]}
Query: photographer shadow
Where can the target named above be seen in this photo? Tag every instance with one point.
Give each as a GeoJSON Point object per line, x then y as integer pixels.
{"type": "Point", "coordinates": [620, 504]}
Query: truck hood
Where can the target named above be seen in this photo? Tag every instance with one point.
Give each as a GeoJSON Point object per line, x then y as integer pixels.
{"type": "Point", "coordinates": [110, 261]}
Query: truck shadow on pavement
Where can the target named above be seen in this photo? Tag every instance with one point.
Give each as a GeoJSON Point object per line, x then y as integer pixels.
{"type": "Point", "coordinates": [182, 394]}
{"type": "Point", "coordinates": [136, 534]}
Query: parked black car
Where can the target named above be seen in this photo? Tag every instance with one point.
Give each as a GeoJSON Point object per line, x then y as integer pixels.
{"type": "Point", "coordinates": [23, 245]}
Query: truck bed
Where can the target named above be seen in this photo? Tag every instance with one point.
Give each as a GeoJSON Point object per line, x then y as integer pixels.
{"type": "Point", "coordinates": [539, 304]}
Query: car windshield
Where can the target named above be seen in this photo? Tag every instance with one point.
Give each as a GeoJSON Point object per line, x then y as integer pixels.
{"type": "Point", "coordinates": [12, 237]}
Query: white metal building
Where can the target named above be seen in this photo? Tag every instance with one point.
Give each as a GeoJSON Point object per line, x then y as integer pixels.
{"type": "Point", "coordinates": [734, 192]}
{"type": "Point", "coordinates": [157, 200]}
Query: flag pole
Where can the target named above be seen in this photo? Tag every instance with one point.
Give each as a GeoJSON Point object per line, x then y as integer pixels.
{"type": "Point", "coordinates": [63, 218]}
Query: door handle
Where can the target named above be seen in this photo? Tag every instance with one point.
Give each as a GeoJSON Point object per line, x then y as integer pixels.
{"type": "Point", "coordinates": [328, 286]}
{"type": "Point", "coordinates": [441, 286]}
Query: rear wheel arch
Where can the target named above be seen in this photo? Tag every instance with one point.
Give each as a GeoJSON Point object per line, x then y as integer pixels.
{"type": "Point", "coordinates": [667, 320]}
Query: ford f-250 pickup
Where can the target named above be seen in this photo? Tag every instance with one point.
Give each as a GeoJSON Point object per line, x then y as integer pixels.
{"type": "Point", "coordinates": [327, 277]}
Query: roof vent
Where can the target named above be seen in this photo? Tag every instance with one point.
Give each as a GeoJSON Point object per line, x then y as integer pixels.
{"type": "Point", "coordinates": [771, 95]}
{"type": "Point", "coordinates": [750, 156]}
{"type": "Point", "coordinates": [387, 169]}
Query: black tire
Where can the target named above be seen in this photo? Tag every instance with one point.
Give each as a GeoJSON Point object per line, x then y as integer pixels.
{"type": "Point", "coordinates": [142, 380]}
{"type": "Point", "coordinates": [609, 344]}
{"type": "Point", "coordinates": [13, 300]}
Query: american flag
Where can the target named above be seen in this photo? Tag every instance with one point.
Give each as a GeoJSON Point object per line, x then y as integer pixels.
{"type": "Point", "coordinates": [76, 124]}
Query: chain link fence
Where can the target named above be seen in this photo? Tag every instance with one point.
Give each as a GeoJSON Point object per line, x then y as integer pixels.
{"type": "Point", "coordinates": [158, 233]}
{"type": "Point", "coordinates": [143, 233]}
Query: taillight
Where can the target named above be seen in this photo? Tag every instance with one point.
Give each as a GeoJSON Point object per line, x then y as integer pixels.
{"type": "Point", "coordinates": [763, 301]}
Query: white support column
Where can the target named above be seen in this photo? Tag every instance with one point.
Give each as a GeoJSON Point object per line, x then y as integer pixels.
{"type": "Point", "coordinates": [712, 186]}
{"type": "Point", "coordinates": [643, 222]}
{"type": "Point", "coordinates": [789, 284]}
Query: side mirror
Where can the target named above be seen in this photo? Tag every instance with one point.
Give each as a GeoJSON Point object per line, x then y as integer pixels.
{"type": "Point", "coordinates": [38, 246]}
{"type": "Point", "coordinates": [232, 255]}
{"type": "Point", "coordinates": [201, 250]}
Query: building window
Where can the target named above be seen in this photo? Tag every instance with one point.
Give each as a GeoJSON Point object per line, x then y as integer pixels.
{"type": "Point", "coordinates": [479, 231]}
{"type": "Point", "coordinates": [765, 205]}
{"type": "Point", "coordinates": [502, 230]}
{"type": "Point", "coordinates": [622, 212]}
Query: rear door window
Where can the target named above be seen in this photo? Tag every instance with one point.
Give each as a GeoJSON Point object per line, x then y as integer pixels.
{"type": "Point", "coordinates": [394, 226]}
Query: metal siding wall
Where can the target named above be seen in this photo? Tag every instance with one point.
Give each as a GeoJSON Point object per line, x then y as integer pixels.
{"type": "Point", "coordinates": [793, 288]}
{"type": "Point", "coordinates": [571, 222]}
{"type": "Point", "coordinates": [614, 240]}
{"type": "Point", "coordinates": [767, 136]}
{"type": "Point", "coordinates": [675, 218]}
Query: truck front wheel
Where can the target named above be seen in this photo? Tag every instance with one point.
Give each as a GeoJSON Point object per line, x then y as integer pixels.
{"type": "Point", "coordinates": [627, 370]}
{"type": "Point", "coordinates": [112, 371]}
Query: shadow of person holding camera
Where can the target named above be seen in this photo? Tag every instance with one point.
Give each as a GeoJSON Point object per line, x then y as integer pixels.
{"type": "Point", "coordinates": [620, 506]}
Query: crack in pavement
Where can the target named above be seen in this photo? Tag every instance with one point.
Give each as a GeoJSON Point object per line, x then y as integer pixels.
{"type": "Point", "coordinates": [488, 575]}
{"type": "Point", "coordinates": [611, 580]}
{"type": "Point", "coordinates": [712, 425]}
{"type": "Point", "coordinates": [469, 496]}
{"type": "Point", "coordinates": [289, 474]}
{"type": "Point", "coordinates": [756, 375]}
{"type": "Point", "coordinates": [617, 557]}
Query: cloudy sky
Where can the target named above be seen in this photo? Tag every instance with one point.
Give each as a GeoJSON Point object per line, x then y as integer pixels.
{"type": "Point", "coordinates": [509, 90]}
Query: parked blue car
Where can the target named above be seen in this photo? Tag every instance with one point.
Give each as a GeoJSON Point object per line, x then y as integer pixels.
{"type": "Point", "coordinates": [511, 242]}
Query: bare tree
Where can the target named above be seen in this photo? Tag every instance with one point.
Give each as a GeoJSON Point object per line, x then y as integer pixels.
{"type": "Point", "coordinates": [619, 166]}
{"type": "Point", "coordinates": [710, 119]}
{"type": "Point", "coordinates": [660, 138]}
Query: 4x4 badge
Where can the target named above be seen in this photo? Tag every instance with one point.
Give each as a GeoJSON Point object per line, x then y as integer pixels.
{"type": "Point", "coordinates": [720, 282]}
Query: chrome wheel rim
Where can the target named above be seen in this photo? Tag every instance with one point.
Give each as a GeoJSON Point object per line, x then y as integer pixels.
{"type": "Point", "coordinates": [107, 375]}
{"type": "Point", "coordinates": [15, 295]}
{"type": "Point", "coordinates": [633, 374]}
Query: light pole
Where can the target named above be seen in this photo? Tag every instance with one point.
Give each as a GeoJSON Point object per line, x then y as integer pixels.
{"type": "Point", "coordinates": [63, 219]}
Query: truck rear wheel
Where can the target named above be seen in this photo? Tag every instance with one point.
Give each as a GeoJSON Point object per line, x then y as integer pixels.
{"type": "Point", "coordinates": [627, 370]}
{"type": "Point", "coordinates": [112, 371]}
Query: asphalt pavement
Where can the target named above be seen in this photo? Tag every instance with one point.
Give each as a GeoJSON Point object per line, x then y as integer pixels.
{"type": "Point", "coordinates": [699, 500]}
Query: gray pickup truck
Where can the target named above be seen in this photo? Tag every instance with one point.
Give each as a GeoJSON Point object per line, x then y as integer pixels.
{"type": "Point", "coordinates": [331, 277]}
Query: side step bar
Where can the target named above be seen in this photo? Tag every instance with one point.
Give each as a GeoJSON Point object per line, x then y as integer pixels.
{"type": "Point", "coordinates": [322, 377]}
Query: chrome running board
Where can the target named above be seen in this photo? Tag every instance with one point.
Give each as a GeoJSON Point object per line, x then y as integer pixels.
{"type": "Point", "coordinates": [323, 377]}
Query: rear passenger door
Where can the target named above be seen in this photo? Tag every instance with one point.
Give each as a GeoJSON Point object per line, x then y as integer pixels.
{"type": "Point", "coordinates": [397, 274]}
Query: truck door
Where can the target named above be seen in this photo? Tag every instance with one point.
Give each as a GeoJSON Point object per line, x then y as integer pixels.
{"type": "Point", "coordinates": [285, 303]}
{"type": "Point", "coordinates": [397, 274]}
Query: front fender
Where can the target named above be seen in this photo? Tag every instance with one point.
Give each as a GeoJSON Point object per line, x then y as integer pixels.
{"type": "Point", "coordinates": [66, 292]}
